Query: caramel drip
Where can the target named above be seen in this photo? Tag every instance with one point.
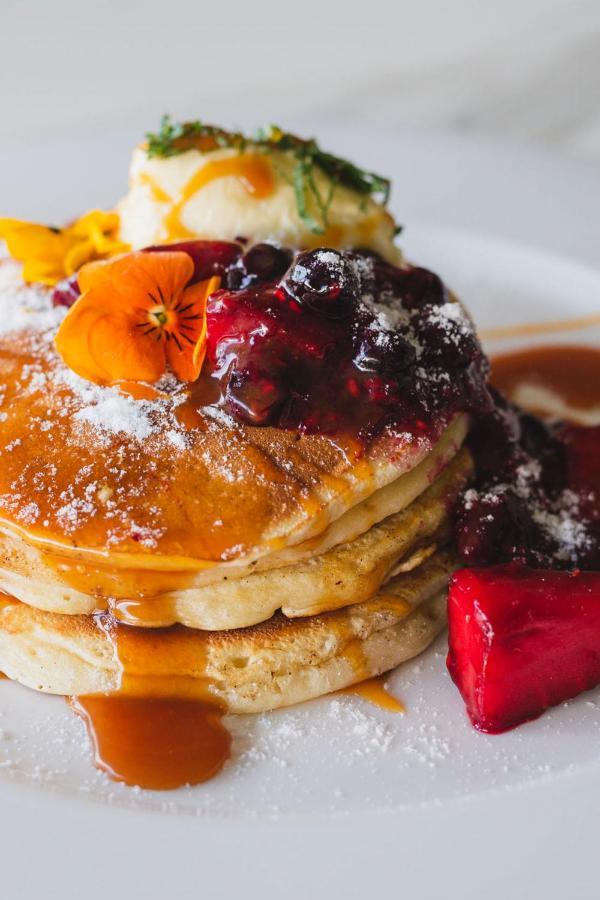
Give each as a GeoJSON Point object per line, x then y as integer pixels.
{"type": "Point", "coordinates": [138, 390]}
{"type": "Point", "coordinates": [354, 654]}
{"type": "Point", "coordinates": [156, 192]}
{"type": "Point", "coordinates": [160, 731]}
{"type": "Point", "coordinates": [374, 690]}
{"type": "Point", "coordinates": [155, 612]}
{"type": "Point", "coordinates": [155, 743]}
{"type": "Point", "coordinates": [570, 373]}
{"type": "Point", "coordinates": [114, 581]}
{"type": "Point", "coordinates": [253, 171]}
{"type": "Point", "coordinates": [115, 528]}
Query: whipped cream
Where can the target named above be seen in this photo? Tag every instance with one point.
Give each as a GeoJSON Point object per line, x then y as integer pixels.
{"type": "Point", "coordinates": [224, 194]}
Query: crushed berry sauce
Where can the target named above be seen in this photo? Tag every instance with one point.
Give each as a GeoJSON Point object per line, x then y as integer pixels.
{"type": "Point", "coordinates": [536, 496]}
{"type": "Point", "coordinates": [66, 292]}
{"type": "Point", "coordinates": [328, 341]}
{"type": "Point", "coordinates": [324, 341]}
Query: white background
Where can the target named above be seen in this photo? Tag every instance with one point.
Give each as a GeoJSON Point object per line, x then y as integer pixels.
{"type": "Point", "coordinates": [525, 69]}
{"type": "Point", "coordinates": [73, 74]}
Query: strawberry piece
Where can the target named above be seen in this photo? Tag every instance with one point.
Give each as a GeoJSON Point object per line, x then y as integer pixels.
{"type": "Point", "coordinates": [522, 640]}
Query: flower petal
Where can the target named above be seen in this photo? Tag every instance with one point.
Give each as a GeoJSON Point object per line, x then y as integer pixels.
{"type": "Point", "coordinates": [106, 346]}
{"type": "Point", "coordinates": [138, 280]}
{"type": "Point", "coordinates": [186, 357]}
{"type": "Point", "coordinates": [39, 248]}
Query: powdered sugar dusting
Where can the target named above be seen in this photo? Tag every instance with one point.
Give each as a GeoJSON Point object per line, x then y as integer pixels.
{"type": "Point", "coordinates": [338, 756]}
{"type": "Point", "coordinates": [24, 306]}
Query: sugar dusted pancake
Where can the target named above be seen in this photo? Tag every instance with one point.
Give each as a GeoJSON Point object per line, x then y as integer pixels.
{"type": "Point", "coordinates": [231, 444]}
{"type": "Point", "coordinates": [273, 664]}
{"type": "Point", "coordinates": [344, 574]}
{"type": "Point", "coordinates": [100, 491]}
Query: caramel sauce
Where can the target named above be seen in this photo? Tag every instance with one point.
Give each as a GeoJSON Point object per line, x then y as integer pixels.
{"type": "Point", "coordinates": [374, 690]}
{"type": "Point", "coordinates": [354, 654]}
{"type": "Point", "coordinates": [111, 580]}
{"type": "Point", "coordinates": [570, 373]}
{"type": "Point", "coordinates": [155, 743]}
{"type": "Point", "coordinates": [139, 390]}
{"type": "Point", "coordinates": [155, 612]}
{"type": "Point", "coordinates": [157, 193]}
{"type": "Point", "coordinates": [160, 731]}
{"type": "Point", "coordinates": [115, 516]}
{"type": "Point", "coordinates": [254, 171]}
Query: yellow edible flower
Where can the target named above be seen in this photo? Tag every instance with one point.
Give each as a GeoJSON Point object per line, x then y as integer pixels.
{"type": "Point", "coordinates": [51, 254]}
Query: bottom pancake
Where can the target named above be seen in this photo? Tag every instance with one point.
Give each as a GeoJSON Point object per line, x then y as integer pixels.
{"type": "Point", "coordinates": [273, 664]}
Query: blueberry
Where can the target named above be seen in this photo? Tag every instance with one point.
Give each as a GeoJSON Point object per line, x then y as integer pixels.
{"type": "Point", "coordinates": [260, 264]}
{"type": "Point", "coordinates": [324, 281]}
{"type": "Point", "coordinates": [384, 352]}
{"type": "Point", "coordinates": [446, 335]}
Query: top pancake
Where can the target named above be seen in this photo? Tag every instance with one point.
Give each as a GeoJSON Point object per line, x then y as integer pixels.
{"type": "Point", "coordinates": [100, 472]}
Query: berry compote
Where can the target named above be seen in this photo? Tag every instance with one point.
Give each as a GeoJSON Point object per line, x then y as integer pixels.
{"type": "Point", "coordinates": [536, 496]}
{"type": "Point", "coordinates": [325, 341]}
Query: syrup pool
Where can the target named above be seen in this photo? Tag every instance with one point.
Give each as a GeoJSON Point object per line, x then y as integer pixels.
{"type": "Point", "coordinates": [537, 376]}
{"type": "Point", "coordinates": [160, 730]}
{"type": "Point", "coordinates": [155, 743]}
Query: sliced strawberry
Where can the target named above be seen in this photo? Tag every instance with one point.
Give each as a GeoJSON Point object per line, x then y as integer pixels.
{"type": "Point", "coordinates": [522, 640]}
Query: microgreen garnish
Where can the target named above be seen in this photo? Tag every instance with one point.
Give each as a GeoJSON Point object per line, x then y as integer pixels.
{"type": "Point", "coordinates": [173, 138]}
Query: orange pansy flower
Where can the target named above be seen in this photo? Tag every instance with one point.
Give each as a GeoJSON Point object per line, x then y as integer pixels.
{"type": "Point", "coordinates": [134, 317]}
{"type": "Point", "coordinates": [51, 254]}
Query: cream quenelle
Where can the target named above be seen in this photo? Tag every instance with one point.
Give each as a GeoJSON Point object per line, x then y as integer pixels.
{"type": "Point", "coordinates": [210, 184]}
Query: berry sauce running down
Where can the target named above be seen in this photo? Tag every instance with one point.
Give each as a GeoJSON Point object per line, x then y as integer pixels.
{"type": "Point", "coordinates": [536, 497]}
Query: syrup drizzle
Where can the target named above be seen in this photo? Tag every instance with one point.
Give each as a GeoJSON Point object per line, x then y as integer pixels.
{"type": "Point", "coordinates": [253, 171]}
{"type": "Point", "coordinates": [160, 731]}
{"type": "Point", "coordinates": [155, 743]}
{"type": "Point", "coordinates": [375, 691]}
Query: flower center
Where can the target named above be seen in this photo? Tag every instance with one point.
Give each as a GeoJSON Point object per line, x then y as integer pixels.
{"type": "Point", "coordinates": [160, 317]}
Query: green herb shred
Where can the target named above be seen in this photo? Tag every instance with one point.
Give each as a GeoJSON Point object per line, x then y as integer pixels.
{"type": "Point", "coordinates": [174, 138]}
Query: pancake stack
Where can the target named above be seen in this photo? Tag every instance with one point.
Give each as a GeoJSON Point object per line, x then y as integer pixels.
{"type": "Point", "coordinates": [151, 546]}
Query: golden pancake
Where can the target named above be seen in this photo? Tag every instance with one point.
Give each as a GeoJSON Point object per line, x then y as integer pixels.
{"type": "Point", "coordinates": [276, 663]}
{"type": "Point", "coordinates": [228, 463]}
{"type": "Point", "coordinates": [347, 573]}
{"type": "Point", "coordinates": [136, 487]}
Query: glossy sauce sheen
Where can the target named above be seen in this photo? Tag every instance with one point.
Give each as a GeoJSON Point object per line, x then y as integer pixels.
{"type": "Point", "coordinates": [253, 171]}
{"type": "Point", "coordinates": [571, 373]}
{"type": "Point", "coordinates": [374, 690]}
{"type": "Point", "coordinates": [155, 743]}
{"type": "Point", "coordinates": [161, 731]}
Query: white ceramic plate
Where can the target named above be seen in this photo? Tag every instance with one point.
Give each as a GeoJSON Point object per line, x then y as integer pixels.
{"type": "Point", "coordinates": [336, 797]}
